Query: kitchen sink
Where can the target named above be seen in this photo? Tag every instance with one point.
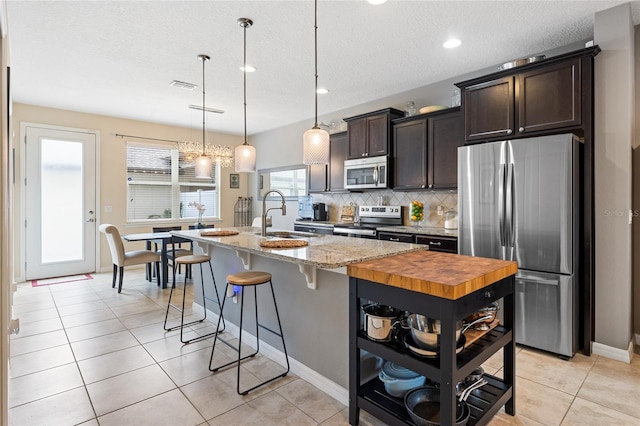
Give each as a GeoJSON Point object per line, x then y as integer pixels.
{"type": "Point", "coordinates": [288, 234]}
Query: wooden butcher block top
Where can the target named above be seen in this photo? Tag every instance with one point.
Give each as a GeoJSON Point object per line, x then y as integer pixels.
{"type": "Point", "coordinates": [450, 276]}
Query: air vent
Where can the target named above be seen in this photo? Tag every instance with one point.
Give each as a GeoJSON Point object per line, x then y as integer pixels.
{"type": "Point", "coordinates": [213, 110]}
{"type": "Point", "coordinates": [183, 85]}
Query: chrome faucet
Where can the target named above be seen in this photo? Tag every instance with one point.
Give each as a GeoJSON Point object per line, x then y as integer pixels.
{"type": "Point", "coordinates": [264, 212]}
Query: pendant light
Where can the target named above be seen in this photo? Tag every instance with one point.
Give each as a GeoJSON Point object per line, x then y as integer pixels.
{"type": "Point", "coordinates": [203, 163]}
{"type": "Point", "coordinates": [315, 149]}
{"type": "Point", "coordinates": [245, 154]}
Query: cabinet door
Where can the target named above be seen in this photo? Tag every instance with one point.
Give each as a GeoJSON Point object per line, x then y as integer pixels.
{"type": "Point", "coordinates": [336, 167]}
{"type": "Point", "coordinates": [377, 135]}
{"type": "Point", "coordinates": [446, 134]}
{"type": "Point", "coordinates": [357, 134]}
{"type": "Point", "coordinates": [410, 159]}
{"type": "Point", "coordinates": [489, 109]}
{"type": "Point", "coordinates": [317, 177]}
{"type": "Point", "coordinates": [549, 97]}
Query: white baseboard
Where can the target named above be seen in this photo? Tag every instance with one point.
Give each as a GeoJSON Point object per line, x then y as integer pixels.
{"type": "Point", "coordinates": [326, 385]}
{"type": "Point", "coordinates": [613, 353]}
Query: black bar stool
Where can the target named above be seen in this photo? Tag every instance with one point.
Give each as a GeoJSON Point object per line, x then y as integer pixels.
{"type": "Point", "coordinates": [188, 261]}
{"type": "Point", "coordinates": [244, 280]}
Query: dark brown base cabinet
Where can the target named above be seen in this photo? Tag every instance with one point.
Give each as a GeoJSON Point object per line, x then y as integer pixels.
{"type": "Point", "coordinates": [425, 150]}
{"type": "Point", "coordinates": [435, 243]}
{"type": "Point", "coordinates": [450, 368]}
{"type": "Point", "coordinates": [443, 244]}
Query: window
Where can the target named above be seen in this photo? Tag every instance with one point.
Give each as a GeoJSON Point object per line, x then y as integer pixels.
{"type": "Point", "coordinates": [161, 184]}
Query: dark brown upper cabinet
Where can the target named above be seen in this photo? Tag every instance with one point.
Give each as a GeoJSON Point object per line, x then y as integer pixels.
{"type": "Point", "coordinates": [539, 99]}
{"type": "Point", "coordinates": [426, 150]}
{"type": "Point", "coordinates": [369, 135]}
{"type": "Point", "coordinates": [324, 178]}
{"type": "Point", "coordinates": [336, 167]}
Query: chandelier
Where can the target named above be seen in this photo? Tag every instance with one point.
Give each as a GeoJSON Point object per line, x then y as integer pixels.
{"type": "Point", "coordinates": [221, 154]}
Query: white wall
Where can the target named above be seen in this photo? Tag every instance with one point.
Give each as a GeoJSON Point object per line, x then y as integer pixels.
{"type": "Point", "coordinates": [614, 83]}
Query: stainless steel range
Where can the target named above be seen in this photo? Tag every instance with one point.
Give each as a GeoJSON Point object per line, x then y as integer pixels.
{"type": "Point", "coordinates": [370, 218]}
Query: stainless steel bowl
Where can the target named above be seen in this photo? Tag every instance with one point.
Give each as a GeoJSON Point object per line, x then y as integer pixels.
{"type": "Point", "coordinates": [426, 331]}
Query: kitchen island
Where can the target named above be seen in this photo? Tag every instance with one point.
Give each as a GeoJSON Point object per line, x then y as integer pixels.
{"type": "Point", "coordinates": [315, 320]}
{"type": "Point", "coordinates": [447, 288]}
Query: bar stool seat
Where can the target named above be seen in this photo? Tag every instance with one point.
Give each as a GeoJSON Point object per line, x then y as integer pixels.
{"type": "Point", "coordinates": [249, 278]}
{"type": "Point", "coordinates": [245, 280]}
{"type": "Point", "coordinates": [189, 260]}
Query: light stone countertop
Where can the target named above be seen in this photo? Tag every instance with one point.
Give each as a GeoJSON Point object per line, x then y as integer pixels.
{"type": "Point", "coordinates": [323, 251]}
{"type": "Point", "coordinates": [421, 230]}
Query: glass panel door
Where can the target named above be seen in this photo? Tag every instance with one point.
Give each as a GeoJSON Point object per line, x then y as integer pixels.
{"type": "Point", "coordinates": [60, 203]}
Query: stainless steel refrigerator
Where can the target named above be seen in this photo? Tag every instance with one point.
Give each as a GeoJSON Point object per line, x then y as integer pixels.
{"type": "Point", "coordinates": [519, 200]}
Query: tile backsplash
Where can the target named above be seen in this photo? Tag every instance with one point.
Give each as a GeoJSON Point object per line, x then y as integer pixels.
{"type": "Point", "coordinates": [431, 200]}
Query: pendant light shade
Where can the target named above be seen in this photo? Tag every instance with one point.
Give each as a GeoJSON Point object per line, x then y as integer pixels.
{"type": "Point", "coordinates": [245, 154]}
{"type": "Point", "coordinates": [315, 148]}
{"type": "Point", "coordinates": [203, 164]}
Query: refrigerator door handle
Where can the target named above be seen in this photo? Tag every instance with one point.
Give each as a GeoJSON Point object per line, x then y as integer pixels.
{"type": "Point", "coordinates": [501, 204]}
{"type": "Point", "coordinates": [510, 206]}
{"type": "Point", "coordinates": [537, 280]}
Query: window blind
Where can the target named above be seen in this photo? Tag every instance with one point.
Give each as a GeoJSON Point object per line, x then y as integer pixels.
{"type": "Point", "coordinates": [161, 183]}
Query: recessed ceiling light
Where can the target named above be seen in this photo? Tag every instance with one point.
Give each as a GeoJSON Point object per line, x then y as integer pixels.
{"type": "Point", "coordinates": [250, 68]}
{"type": "Point", "coordinates": [451, 43]}
{"type": "Point", "coordinates": [183, 85]}
{"type": "Point", "coordinates": [322, 91]}
{"type": "Point", "coordinates": [377, 2]}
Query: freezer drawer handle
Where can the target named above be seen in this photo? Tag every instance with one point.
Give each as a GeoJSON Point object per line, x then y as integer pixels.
{"type": "Point", "coordinates": [535, 280]}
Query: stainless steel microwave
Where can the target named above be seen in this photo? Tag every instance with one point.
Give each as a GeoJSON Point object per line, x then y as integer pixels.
{"type": "Point", "coordinates": [366, 173]}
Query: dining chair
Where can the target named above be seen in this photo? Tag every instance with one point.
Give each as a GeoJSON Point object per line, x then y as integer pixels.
{"type": "Point", "coordinates": [121, 258]}
{"type": "Point", "coordinates": [175, 249]}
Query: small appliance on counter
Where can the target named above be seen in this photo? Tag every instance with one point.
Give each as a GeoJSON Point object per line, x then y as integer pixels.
{"type": "Point", "coordinates": [305, 207]}
{"type": "Point", "coordinates": [320, 212]}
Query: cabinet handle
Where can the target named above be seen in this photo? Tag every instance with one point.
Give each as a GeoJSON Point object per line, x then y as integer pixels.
{"type": "Point", "coordinates": [521, 129]}
{"type": "Point", "coordinates": [509, 131]}
{"type": "Point", "coordinates": [394, 239]}
{"type": "Point", "coordinates": [433, 243]}
{"type": "Point", "coordinates": [430, 185]}
{"type": "Point", "coordinates": [422, 186]}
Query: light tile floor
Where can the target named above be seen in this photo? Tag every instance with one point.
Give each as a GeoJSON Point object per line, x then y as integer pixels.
{"type": "Point", "coordinates": [88, 355]}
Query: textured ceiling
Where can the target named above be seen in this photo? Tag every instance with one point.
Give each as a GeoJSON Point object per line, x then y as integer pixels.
{"type": "Point", "coordinates": [117, 58]}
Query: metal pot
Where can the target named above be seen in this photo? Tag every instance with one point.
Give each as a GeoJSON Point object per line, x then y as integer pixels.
{"type": "Point", "coordinates": [426, 331]}
{"type": "Point", "coordinates": [380, 321]}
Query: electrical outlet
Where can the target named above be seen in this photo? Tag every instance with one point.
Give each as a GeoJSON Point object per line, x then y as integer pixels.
{"type": "Point", "coordinates": [440, 210]}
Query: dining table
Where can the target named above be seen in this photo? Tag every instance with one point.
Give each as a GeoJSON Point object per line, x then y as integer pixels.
{"type": "Point", "coordinates": [165, 239]}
